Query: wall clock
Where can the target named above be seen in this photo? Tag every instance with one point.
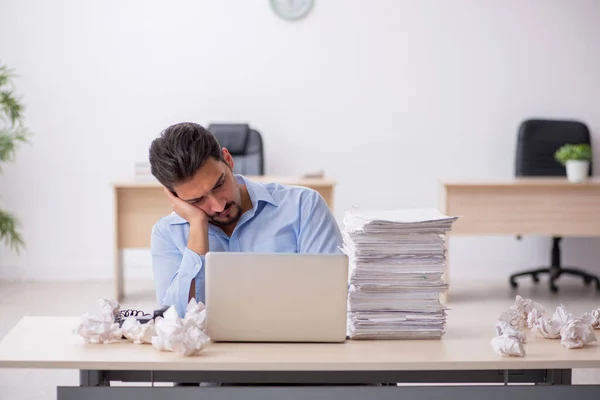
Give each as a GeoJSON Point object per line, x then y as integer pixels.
{"type": "Point", "coordinates": [292, 9]}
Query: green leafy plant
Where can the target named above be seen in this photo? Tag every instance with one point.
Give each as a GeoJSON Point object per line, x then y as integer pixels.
{"type": "Point", "coordinates": [12, 133]}
{"type": "Point", "coordinates": [580, 152]}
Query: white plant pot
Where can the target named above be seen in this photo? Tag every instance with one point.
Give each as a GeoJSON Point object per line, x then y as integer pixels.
{"type": "Point", "coordinates": [577, 170]}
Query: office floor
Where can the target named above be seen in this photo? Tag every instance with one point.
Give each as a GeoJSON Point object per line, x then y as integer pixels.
{"type": "Point", "coordinates": [20, 299]}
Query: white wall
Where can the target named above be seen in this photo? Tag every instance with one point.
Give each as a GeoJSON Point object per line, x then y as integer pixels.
{"type": "Point", "coordinates": [357, 89]}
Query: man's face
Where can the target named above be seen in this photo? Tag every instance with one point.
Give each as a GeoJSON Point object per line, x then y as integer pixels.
{"type": "Point", "coordinates": [214, 189]}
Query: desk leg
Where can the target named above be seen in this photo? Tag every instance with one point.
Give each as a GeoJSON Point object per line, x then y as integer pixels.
{"type": "Point", "coordinates": [558, 376]}
{"type": "Point", "coordinates": [119, 283]}
{"type": "Point", "coordinates": [119, 279]}
{"type": "Point", "coordinates": [89, 378]}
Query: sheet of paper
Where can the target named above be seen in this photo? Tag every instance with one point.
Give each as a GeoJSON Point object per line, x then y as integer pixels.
{"type": "Point", "coordinates": [397, 259]}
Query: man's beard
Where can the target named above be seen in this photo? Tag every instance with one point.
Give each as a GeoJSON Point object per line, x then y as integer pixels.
{"type": "Point", "coordinates": [232, 217]}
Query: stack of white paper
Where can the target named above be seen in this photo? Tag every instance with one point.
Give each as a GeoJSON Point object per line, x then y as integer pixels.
{"type": "Point", "coordinates": [396, 264]}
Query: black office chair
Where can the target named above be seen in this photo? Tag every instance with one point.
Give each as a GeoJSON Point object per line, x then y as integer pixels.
{"type": "Point", "coordinates": [538, 140]}
{"type": "Point", "coordinates": [245, 145]}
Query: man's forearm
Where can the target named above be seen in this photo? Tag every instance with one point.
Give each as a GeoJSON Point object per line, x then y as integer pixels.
{"type": "Point", "coordinates": [198, 243]}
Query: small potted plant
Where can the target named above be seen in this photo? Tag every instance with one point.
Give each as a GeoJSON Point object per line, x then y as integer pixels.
{"type": "Point", "coordinates": [576, 158]}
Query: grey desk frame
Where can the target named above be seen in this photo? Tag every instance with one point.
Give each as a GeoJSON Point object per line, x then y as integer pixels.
{"type": "Point", "coordinates": [536, 384]}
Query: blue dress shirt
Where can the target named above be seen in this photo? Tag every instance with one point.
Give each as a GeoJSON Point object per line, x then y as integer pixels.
{"type": "Point", "coordinates": [283, 219]}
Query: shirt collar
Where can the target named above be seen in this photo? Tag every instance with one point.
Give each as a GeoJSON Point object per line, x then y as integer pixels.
{"type": "Point", "coordinates": [257, 191]}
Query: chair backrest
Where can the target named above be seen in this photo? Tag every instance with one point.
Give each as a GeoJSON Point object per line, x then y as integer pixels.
{"type": "Point", "coordinates": [245, 145]}
{"type": "Point", "coordinates": [538, 140]}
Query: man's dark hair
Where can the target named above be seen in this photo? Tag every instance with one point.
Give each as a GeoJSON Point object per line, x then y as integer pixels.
{"type": "Point", "coordinates": [180, 151]}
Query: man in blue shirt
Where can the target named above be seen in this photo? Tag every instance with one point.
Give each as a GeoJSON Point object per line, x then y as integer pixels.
{"type": "Point", "coordinates": [217, 210]}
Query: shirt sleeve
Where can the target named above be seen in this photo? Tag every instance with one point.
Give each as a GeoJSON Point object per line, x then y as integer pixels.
{"type": "Point", "coordinates": [173, 270]}
{"type": "Point", "coordinates": [319, 231]}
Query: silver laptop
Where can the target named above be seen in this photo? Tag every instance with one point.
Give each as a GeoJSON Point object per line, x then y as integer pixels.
{"type": "Point", "coordinates": [276, 297]}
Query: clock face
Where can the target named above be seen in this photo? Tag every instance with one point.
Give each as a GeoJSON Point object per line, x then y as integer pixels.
{"type": "Point", "coordinates": [292, 9]}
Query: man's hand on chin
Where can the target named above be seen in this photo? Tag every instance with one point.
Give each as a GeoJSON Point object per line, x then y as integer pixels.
{"type": "Point", "coordinates": [198, 220]}
{"type": "Point", "coordinates": [187, 211]}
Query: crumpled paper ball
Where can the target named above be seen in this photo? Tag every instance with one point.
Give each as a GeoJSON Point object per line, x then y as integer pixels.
{"type": "Point", "coordinates": [576, 333]}
{"type": "Point", "coordinates": [101, 326]}
{"type": "Point", "coordinates": [548, 327]}
{"type": "Point", "coordinates": [592, 318]}
{"type": "Point", "coordinates": [517, 315]}
{"type": "Point", "coordinates": [572, 332]}
{"type": "Point", "coordinates": [509, 340]}
{"type": "Point", "coordinates": [196, 311]}
{"type": "Point", "coordinates": [137, 332]}
{"type": "Point", "coordinates": [186, 335]}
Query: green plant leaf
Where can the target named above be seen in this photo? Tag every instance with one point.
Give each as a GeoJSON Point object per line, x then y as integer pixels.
{"type": "Point", "coordinates": [8, 231]}
{"type": "Point", "coordinates": [10, 106]}
{"type": "Point", "coordinates": [12, 133]}
{"type": "Point", "coordinates": [9, 140]}
{"type": "Point", "coordinates": [580, 152]}
{"type": "Point", "coordinates": [8, 145]}
{"type": "Point", "coordinates": [5, 75]}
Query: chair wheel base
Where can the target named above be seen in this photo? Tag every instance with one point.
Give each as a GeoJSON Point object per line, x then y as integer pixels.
{"type": "Point", "coordinates": [554, 273]}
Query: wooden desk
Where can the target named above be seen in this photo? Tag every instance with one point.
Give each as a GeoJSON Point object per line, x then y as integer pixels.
{"type": "Point", "coordinates": [139, 204]}
{"type": "Point", "coordinates": [523, 206]}
{"type": "Point", "coordinates": [464, 355]}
